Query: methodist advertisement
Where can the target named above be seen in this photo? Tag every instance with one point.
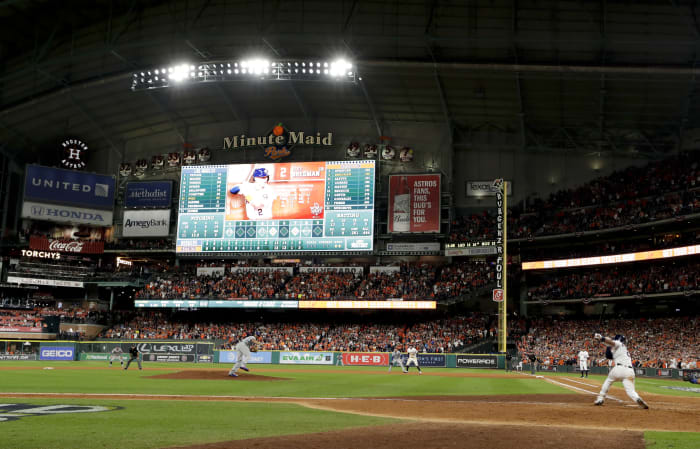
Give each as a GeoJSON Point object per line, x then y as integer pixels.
{"type": "Point", "coordinates": [147, 194]}
{"type": "Point", "coordinates": [296, 206]}
{"type": "Point", "coordinates": [306, 358]}
{"type": "Point", "coordinates": [414, 203]}
{"type": "Point", "coordinates": [146, 223]}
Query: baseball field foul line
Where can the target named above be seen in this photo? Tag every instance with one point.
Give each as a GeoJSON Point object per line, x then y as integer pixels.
{"type": "Point", "coordinates": [571, 387]}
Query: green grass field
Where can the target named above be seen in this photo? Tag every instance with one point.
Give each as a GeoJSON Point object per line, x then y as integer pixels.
{"type": "Point", "coordinates": [139, 424]}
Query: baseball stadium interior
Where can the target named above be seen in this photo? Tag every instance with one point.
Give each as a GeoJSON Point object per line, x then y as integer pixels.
{"type": "Point", "coordinates": [501, 178]}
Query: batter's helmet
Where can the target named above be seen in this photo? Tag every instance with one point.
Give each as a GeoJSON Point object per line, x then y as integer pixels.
{"type": "Point", "coordinates": [260, 173]}
{"type": "Point", "coordinates": [620, 338]}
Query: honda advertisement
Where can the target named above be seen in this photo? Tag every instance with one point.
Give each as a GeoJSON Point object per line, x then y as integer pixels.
{"type": "Point", "coordinates": [431, 360]}
{"type": "Point", "coordinates": [66, 214]}
{"type": "Point", "coordinates": [68, 187]}
{"type": "Point", "coordinates": [146, 223]}
{"type": "Point", "coordinates": [366, 358]}
{"type": "Point", "coordinates": [66, 246]}
{"type": "Point", "coordinates": [306, 358]}
{"type": "Point", "coordinates": [477, 361]}
{"type": "Point", "coordinates": [56, 353]}
{"type": "Point", "coordinates": [155, 194]}
{"type": "Point", "coordinates": [255, 357]}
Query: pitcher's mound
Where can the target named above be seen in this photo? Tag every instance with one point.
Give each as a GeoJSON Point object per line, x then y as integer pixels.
{"type": "Point", "coordinates": [215, 375]}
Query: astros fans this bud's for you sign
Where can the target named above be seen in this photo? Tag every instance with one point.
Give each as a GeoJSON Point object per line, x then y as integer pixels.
{"type": "Point", "coordinates": [414, 203]}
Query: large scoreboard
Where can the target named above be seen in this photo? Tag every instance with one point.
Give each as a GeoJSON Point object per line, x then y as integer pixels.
{"type": "Point", "coordinates": [294, 206]}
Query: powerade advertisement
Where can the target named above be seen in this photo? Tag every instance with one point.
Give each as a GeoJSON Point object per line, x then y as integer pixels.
{"type": "Point", "coordinates": [56, 353]}
{"type": "Point", "coordinates": [306, 358]}
{"type": "Point", "coordinates": [477, 361]}
{"type": "Point", "coordinates": [68, 187]}
{"type": "Point", "coordinates": [255, 357]}
{"type": "Point", "coordinates": [156, 194]}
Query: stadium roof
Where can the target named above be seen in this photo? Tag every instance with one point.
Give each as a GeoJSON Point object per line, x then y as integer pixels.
{"type": "Point", "coordinates": [581, 76]}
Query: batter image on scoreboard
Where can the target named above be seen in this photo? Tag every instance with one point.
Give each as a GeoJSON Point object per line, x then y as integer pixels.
{"type": "Point", "coordinates": [275, 191]}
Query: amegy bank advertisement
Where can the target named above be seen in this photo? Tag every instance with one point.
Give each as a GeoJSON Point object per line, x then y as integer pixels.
{"type": "Point", "coordinates": [306, 358]}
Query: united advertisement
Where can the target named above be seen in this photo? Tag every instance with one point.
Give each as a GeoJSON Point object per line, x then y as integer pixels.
{"type": "Point", "coordinates": [148, 194]}
{"type": "Point", "coordinates": [414, 203]}
{"type": "Point", "coordinates": [67, 187]}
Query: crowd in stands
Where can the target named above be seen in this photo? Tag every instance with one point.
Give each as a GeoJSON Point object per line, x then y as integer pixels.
{"type": "Point", "coordinates": [619, 280]}
{"type": "Point", "coordinates": [439, 335]}
{"type": "Point", "coordinates": [20, 318]}
{"type": "Point", "coordinates": [411, 281]}
{"type": "Point", "coordinates": [652, 342]}
{"type": "Point", "coordinates": [659, 190]}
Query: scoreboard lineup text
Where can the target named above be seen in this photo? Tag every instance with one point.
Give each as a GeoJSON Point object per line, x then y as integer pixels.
{"type": "Point", "coordinates": [347, 222]}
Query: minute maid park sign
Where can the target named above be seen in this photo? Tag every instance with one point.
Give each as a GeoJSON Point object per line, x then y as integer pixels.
{"type": "Point", "coordinates": [278, 142]}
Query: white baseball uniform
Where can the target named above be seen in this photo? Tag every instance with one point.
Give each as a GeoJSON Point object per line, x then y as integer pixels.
{"type": "Point", "coordinates": [243, 354]}
{"type": "Point", "coordinates": [258, 200]}
{"type": "Point", "coordinates": [412, 359]}
{"type": "Point", "coordinates": [396, 360]}
{"type": "Point", "coordinates": [116, 354]}
{"type": "Point", "coordinates": [621, 371]}
{"type": "Point", "coordinates": [583, 361]}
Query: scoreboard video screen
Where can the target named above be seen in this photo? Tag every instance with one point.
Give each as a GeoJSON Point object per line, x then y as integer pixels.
{"type": "Point", "coordinates": [294, 206]}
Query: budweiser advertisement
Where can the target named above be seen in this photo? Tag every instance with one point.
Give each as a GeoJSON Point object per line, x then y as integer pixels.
{"type": "Point", "coordinates": [366, 358]}
{"type": "Point", "coordinates": [66, 246]}
{"type": "Point", "coordinates": [414, 203]}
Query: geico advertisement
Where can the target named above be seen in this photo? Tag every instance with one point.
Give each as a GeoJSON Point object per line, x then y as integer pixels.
{"type": "Point", "coordinates": [146, 223]}
{"type": "Point", "coordinates": [476, 361]}
{"type": "Point", "coordinates": [306, 358]}
{"type": "Point", "coordinates": [366, 358]}
{"type": "Point", "coordinates": [56, 353]}
{"type": "Point", "coordinates": [255, 357]}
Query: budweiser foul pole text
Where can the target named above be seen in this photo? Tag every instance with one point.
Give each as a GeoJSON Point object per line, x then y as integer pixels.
{"type": "Point", "coordinates": [414, 203]}
{"type": "Point", "coordinates": [500, 293]}
{"type": "Point", "coordinates": [66, 246]}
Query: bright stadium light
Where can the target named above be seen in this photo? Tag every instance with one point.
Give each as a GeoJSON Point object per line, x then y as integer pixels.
{"type": "Point", "coordinates": [340, 67]}
{"type": "Point", "coordinates": [179, 72]}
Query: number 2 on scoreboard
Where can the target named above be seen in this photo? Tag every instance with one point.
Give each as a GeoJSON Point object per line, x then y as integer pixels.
{"type": "Point", "coordinates": [283, 172]}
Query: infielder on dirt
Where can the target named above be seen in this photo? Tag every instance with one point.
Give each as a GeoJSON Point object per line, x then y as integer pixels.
{"type": "Point", "coordinates": [583, 362]}
{"type": "Point", "coordinates": [412, 359]}
{"type": "Point", "coordinates": [116, 354]}
{"type": "Point", "coordinates": [243, 355]}
{"type": "Point", "coordinates": [622, 370]}
{"type": "Point", "coordinates": [396, 360]}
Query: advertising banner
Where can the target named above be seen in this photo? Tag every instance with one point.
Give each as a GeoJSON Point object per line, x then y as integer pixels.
{"type": "Point", "coordinates": [66, 214]}
{"type": "Point", "coordinates": [306, 358]}
{"type": "Point", "coordinates": [400, 248]}
{"type": "Point", "coordinates": [289, 270]}
{"type": "Point", "coordinates": [255, 357]}
{"type": "Point", "coordinates": [471, 251]}
{"type": "Point", "coordinates": [218, 303]}
{"type": "Point", "coordinates": [357, 271]}
{"type": "Point", "coordinates": [429, 360]}
{"type": "Point", "coordinates": [205, 358]}
{"type": "Point", "coordinates": [56, 353]}
{"type": "Point", "coordinates": [156, 194]}
{"type": "Point", "coordinates": [483, 188]}
{"type": "Point", "coordinates": [20, 329]}
{"type": "Point", "coordinates": [66, 246]}
{"type": "Point", "coordinates": [94, 356]}
{"type": "Point", "coordinates": [146, 223]}
{"type": "Point", "coordinates": [166, 348]}
{"type": "Point", "coordinates": [352, 304]}
{"type": "Point", "coordinates": [414, 203]}
{"type": "Point", "coordinates": [169, 357]}
{"type": "Point", "coordinates": [17, 356]}
{"type": "Point", "coordinates": [48, 282]}
{"type": "Point", "coordinates": [365, 358]}
{"type": "Point", "coordinates": [384, 270]}
{"type": "Point", "coordinates": [211, 271]}
{"type": "Point", "coordinates": [477, 361]}
{"type": "Point", "coordinates": [68, 187]}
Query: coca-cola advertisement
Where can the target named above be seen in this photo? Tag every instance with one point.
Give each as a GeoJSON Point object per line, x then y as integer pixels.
{"type": "Point", "coordinates": [66, 246]}
{"type": "Point", "coordinates": [414, 203]}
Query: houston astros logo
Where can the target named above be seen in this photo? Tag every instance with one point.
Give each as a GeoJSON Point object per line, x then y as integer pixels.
{"type": "Point", "coordinates": [13, 412]}
{"type": "Point", "coordinates": [73, 154]}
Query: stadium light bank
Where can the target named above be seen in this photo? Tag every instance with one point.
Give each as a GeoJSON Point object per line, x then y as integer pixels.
{"type": "Point", "coordinates": [339, 70]}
